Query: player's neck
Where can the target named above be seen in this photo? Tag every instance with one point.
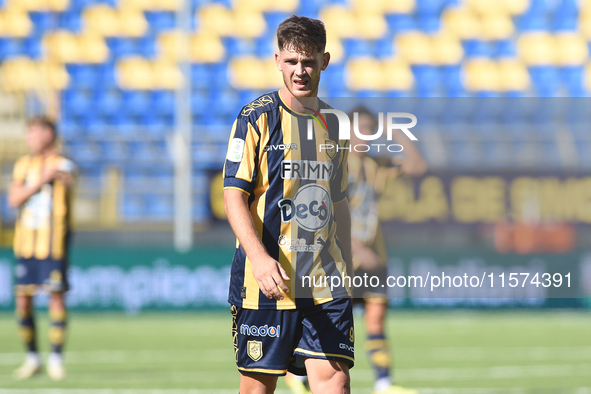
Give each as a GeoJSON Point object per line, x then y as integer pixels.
{"type": "Point", "coordinates": [296, 105]}
{"type": "Point", "coordinates": [47, 152]}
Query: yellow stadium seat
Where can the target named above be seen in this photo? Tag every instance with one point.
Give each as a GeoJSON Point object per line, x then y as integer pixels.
{"type": "Point", "coordinates": [371, 25]}
{"type": "Point", "coordinates": [585, 23]}
{"type": "Point", "coordinates": [497, 27]}
{"type": "Point", "coordinates": [516, 7]}
{"type": "Point", "coordinates": [58, 5]}
{"type": "Point", "coordinates": [513, 75]}
{"type": "Point", "coordinates": [135, 73]}
{"type": "Point", "coordinates": [274, 78]}
{"type": "Point", "coordinates": [249, 24]}
{"type": "Point", "coordinates": [414, 47]}
{"type": "Point", "coordinates": [283, 6]}
{"type": "Point", "coordinates": [335, 48]}
{"type": "Point", "coordinates": [397, 75]}
{"type": "Point", "coordinates": [339, 21]}
{"type": "Point", "coordinates": [132, 23]}
{"type": "Point", "coordinates": [19, 74]}
{"type": "Point", "coordinates": [588, 77]}
{"type": "Point", "coordinates": [207, 48]}
{"type": "Point", "coordinates": [101, 19]}
{"type": "Point", "coordinates": [571, 49]}
{"type": "Point", "coordinates": [167, 5]}
{"type": "Point", "coordinates": [15, 23]}
{"type": "Point", "coordinates": [537, 48]}
{"type": "Point", "coordinates": [371, 7]}
{"type": "Point", "coordinates": [481, 75]}
{"type": "Point", "coordinates": [172, 45]}
{"type": "Point", "coordinates": [27, 5]}
{"type": "Point", "coordinates": [53, 75]}
{"type": "Point", "coordinates": [248, 72]}
{"type": "Point", "coordinates": [167, 75]}
{"type": "Point", "coordinates": [399, 6]}
{"type": "Point", "coordinates": [62, 46]}
{"type": "Point", "coordinates": [462, 22]}
{"type": "Point", "coordinates": [92, 48]}
{"type": "Point", "coordinates": [447, 49]}
{"type": "Point", "coordinates": [215, 19]}
{"type": "Point", "coordinates": [364, 73]}
{"type": "Point", "coordinates": [130, 5]}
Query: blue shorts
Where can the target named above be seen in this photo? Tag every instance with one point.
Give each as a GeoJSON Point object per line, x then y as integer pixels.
{"type": "Point", "coordinates": [272, 342]}
{"type": "Point", "coordinates": [47, 275]}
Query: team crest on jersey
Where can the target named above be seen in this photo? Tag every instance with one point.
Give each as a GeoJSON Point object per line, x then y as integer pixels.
{"type": "Point", "coordinates": [254, 350]}
{"type": "Point", "coordinates": [331, 152]}
{"type": "Point", "coordinates": [258, 103]}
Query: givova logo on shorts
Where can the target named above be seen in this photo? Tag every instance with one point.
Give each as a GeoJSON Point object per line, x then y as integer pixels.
{"type": "Point", "coordinates": [311, 207]}
{"type": "Point", "coordinates": [260, 331]}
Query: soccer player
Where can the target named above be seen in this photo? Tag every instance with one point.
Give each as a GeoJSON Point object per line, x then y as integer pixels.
{"type": "Point", "coordinates": [41, 192]}
{"type": "Point", "coordinates": [286, 201]}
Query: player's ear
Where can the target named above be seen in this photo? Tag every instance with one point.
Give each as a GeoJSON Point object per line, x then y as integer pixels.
{"type": "Point", "coordinates": [325, 60]}
{"type": "Point", "coordinates": [278, 60]}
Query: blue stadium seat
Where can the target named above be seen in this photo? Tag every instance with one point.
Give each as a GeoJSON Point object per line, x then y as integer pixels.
{"type": "Point", "coordinates": [225, 104]}
{"type": "Point", "coordinates": [71, 20]}
{"type": "Point", "coordinates": [32, 46]}
{"type": "Point", "coordinates": [200, 76]}
{"type": "Point", "coordinates": [240, 46]}
{"type": "Point", "coordinates": [504, 48]}
{"type": "Point", "coordinates": [133, 206]}
{"type": "Point", "coordinates": [309, 8]}
{"type": "Point", "coordinates": [358, 47]}
{"type": "Point", "coordinates": [163, 102]}
{"type": "Point", "coordinates": [429, 7]}
{"type": "Point", "coordinates": [106, 76]}
{"type": "Point", "coordinates": [533, 21]}
{"type": "Point", "coordinates": [273, 19]}
{"type": "Point", "coordinates": [114, 152]}
{"type": "Point", "coordinates": [160, 20]}
{"type": "Point", "coordinates": [265, 47]}
{"type": "Point", "coordinates": [159, 206]}
{"type": "Point", "coordinates": [10, 47]}
{"type": "Point", "coordinates": [400, 22]}
{"type": "Point", "coordinates": [107, 102]}
{"type": "Point", "coordinates": [147, 46]}
{"type": "Point", "coordinates": [477, 48]}
{"type": "Point", "coordinates": [429, 23]}
{"type": "Point", "coordinates": [428, 80]}
{"type": "Point", "coordinates": [572, 76]}
{"type": "Point", "coordinates": [334, 77]}
{"type": "Point", "coordinates": [546, 80]}
{"type": "Point", "coordinates": [83, 76]}
{"type": "Point", "coordinates": [76, 102]}
{"type": "Point", "coordinates": [137, 102]}
{"type": "Point", "coordinates": [219, 76]}
{"type": "Point", "coordinates": [123, 46]}
{"type": "Point", "coordinates": [384, 47]}
{"type": "Point", "coordinates": [565, 22]}
{"type": "Point", "coordinates": [200, 105]}
{"type": "Point", "coordinates": [96, 126]}
{"type": "Point", "coordinates": [44, 21]}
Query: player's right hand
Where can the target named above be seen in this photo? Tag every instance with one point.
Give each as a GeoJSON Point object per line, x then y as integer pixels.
{"type": "Point", "coordinates": [270, 275]}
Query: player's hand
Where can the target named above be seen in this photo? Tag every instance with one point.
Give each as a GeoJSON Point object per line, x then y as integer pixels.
{"type": "Point", "coordinates": [48, 175]}
{"type": "Point", "coordinates": [368, 259]}
{"type": "Point", "coordinates": [270, 276]}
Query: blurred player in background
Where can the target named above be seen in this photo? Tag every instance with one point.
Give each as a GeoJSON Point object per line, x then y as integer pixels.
{"type": "Point", "coordinates": [367, 179]}
{"type": "Point", "coordinates": [41, 192]}
{"type": "Point", "coordinates": [272, 330]}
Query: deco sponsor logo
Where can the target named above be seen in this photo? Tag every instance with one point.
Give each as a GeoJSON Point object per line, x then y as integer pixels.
{"type": "Point", "coordinates": [307, 170]}
{"type": "Point", "coordinates": [311, 207]}
{"type": "Point", "coordinates": [261, 331]}
{"type": "Point", "coordinates": [300, 244]}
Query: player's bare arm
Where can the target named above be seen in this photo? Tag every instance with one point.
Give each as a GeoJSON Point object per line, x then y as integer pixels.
{"type": "Point", "coordinates": [342, 215]}
{"type": "Point", "coordinates": [267, 271]}
{"type": "Point", "coordinates": [18, 194]}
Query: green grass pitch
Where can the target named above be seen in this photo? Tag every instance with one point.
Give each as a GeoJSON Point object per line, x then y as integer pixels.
{"type": "Point", "coordinates": [435, 351]}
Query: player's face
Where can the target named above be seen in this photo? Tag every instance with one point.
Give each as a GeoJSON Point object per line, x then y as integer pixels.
{"type": "Point", "coordinates": [301, 72]}
{"type": "Point", "coordinates": [39, 138]}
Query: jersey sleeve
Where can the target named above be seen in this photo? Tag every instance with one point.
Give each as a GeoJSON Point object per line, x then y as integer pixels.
{"type": "Point", "coordinates": [240, 168]}
{"type": "Point", "coordinates": [340, 181]}
{"type": "Point", "coordinates": [20, 171]}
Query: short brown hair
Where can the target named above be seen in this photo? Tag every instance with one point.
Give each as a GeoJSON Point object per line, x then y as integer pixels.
{"type": "Point", "coordinates": [44, 122]}
{"type": "Point", "coordinates": [302, 34]}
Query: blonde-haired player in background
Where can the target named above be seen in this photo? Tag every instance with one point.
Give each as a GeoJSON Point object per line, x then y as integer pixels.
{"type": "Point", "coordinates": [40, 190]}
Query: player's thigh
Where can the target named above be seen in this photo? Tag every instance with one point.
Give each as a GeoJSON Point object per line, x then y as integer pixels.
{"type": "Point", "coordinates": [57, 301]}
{"type": "Point", "coordinates": [257, 384]}
{"type": "Point", "coordinates": [24, 304]}
{"type": "Point", "coordinates": [328, 376]}
{"type": "Point", "coordinates": [328, 332]}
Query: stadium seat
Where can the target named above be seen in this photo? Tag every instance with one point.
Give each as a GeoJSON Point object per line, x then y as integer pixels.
{"type": "Point", "coordinates": [414, 47]}
{"type": "Point", "coordinates": [365, 73]}
{"type": "Point", "coordinates": [83, 76]}
{"type": "Point", "coordinates": [427, 80]}
{"type": "Point", "coordinates": [160, 20]}
{"type": "Point", "coordinates": [462, 22]}
{"type": "Point", "coordinates": [133, 23]}
{"type": "Point", "coordinates": [241, 46]}
{"type": "Point", "coordinates": [135, 73]}
{"type": "Point", "coordinates": [107, 102]}
{"type": "Point", "coordinates": [62, 46]}
{"type": "Point", "coordinates": [481, 75]}
{"type": "Point", "coordinates": [339, 21]}
{"type": "Point", "coordinates": [571, 48]}
{"type": "Point", "coordinates": [354, 47]}
{"type": "Point", "coordinates": [207, 48]}
{"type": "Point", "coordinates": [215, 20]}
{"type": "Point", "coordinates": [537, 48]}
{"type": "Point", "coordinates": [477, 48]}
{"type": "Point", "coordinates": [546, 80]}
{"type": "Point", "coordinates": [399, 23]}
{"type": "Point", "coordinates": [15, 23]}
{"type": "Point", "coordinates": [429, 23]}
{"type": "Point", "coordinates": [397, 75]}
{"type": "Point", "coordinates": [447, 49]}
{"type": "Point", "coordinates": [371, 26]}
{"type": "Point", "coordinates": [497, 27]}
{"type": "Point", "coordinates": [43, 22]}
{"type": "Point", "coordinates": [71, 21]}
{"type": "Point", "coordinates": [136, 102]}
{"type": "Point", "coordinates": [515, 77]}
{"type": "Point", "coordinates": [572, 77]}
{"type": "Point", "coordinates": [10, 47]}
{"type": "Point", "coordinates": [102, 20]}
{"type": "Point", "coordinates": [505, 49]}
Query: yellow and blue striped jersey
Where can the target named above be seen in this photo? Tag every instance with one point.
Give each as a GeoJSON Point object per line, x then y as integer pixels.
{"type": "Point", "coordinates": [292, 186]}
{"type": "Point", "coordinates": [42, 224]}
